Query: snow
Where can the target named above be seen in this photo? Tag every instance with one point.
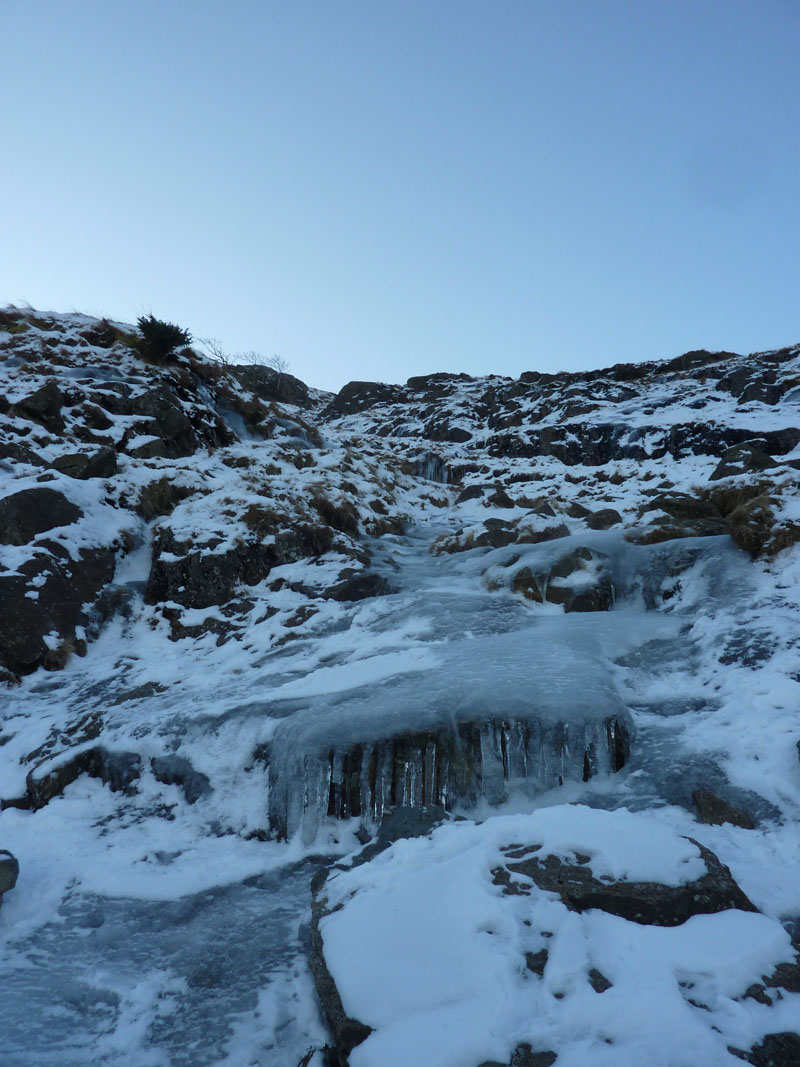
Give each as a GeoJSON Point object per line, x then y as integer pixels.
{"type": "Point", "coordinates": [431, 955]}
{"type": "Point", "coordinates": [147, 930]}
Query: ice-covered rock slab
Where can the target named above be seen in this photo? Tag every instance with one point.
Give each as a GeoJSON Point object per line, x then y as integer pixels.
{"type": "Point", "coordinates": [478, 716]}
{"type": "Point", "coordinates": [452, 766]}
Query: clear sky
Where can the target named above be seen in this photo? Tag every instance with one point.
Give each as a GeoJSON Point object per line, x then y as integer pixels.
{"type": "Point", "coordinates": [380, 188]}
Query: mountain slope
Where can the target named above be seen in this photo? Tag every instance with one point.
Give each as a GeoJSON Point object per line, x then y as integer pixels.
{"type": "Point", "coordinates": [247, 624]}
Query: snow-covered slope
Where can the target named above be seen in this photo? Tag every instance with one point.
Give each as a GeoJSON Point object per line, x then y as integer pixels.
{"type": "Point", "coordinates": [249, 627]}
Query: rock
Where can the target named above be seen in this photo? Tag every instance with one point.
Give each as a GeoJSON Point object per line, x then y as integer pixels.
{"type": "Point", "coordinates": [100, 464]}
{"type": "Point", "coordinates": [776, 1050]}
{"type": "Point", "coordinates": [529, 536]}
{"type": "Point", "coordinates": [358, 587]}
{"type": "Point", "coordinates": [347, 1033]}
{"type": "Point", "coordinates": [497, 533]}
{"type": "Point", "coordinates": [357, 396]}
{"type": "Point", "coordinates": [436, 385]}
{"type": "Point", "coordinates": [598, 981]}
{"type": "Point", "coordinates": [118, 770]}
{"type": "Point", "coordinates": [29, 512]}
{"type": "Point", "coordinates": [603, 519]}
{"type": "Point", "coordinates": [67, 592]}
{"type": "Point", "coordinates": [578, 581]}
{"type": "Point", "coordinates": [199, 579]}
{"type": "Point", "coordinates": [472, 492]}
{"type": "Point", "coordinates": [751, 525]}
{"type": "Point", "coordinates": [160, 498]}
{"type": "Point", "coordinates": [746, 458]}
{"type": "Point", "coordinates": [166, 421]}
{"type": "Point", "coordinates": [342, 517]}
{"type": "Point", "coordinates": [524, 1056]}
{"type": "Point", "coordinates": [271, 385]}
{"type": "Point", "coordinates": [404, 822]}
{"type": "Point", "coordinates": [9, 872]}
{"type": "Point", "coordinates": [647, 903]}
{"type": "Point", "coordinates": [500, 499]}
{"type": "Point", "coordinates": [42, 406]}
{"type": "Point", "coordinates": [176, 770]}
{"type": "Point", "coordinates": [537, 961]}
{"type": "Point", "coordinates": [715, 811]}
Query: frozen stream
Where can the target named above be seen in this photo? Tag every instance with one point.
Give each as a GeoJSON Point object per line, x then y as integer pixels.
{"type": "Point", "coordinates": [217, 976]}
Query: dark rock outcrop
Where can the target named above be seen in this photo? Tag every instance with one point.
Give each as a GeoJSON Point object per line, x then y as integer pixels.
{"type": "Point", "coordinates": [65, 590]}
{"type": "Point", "coordinates": [271, 385]}
{"type": "Point", "coordinates": [29, 512]}
{"type": "Point", "coordinates": [42, 406]}
{"type": "Point", "coordinates": [357, 396]}
{"type": "Point", "coordinates": [165, 420]}
{"type": "Point", "coordinates": [776, 1050]}
{"type": "Point", "coordinates": [195, 578]}
{"type": "Point", "coordinates": [524, 1056]}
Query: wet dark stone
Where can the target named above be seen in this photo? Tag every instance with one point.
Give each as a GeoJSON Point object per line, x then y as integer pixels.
{"type": "Point", "coordinates": [198, 579]}
{"type": "Point", "coordinates": [776, 1050]}
{"type": "Point", "coordinates": [741, 459]}
{"type": "Point", "coordinates": [43, 406]}
{"type": "Point", "coordinates": [603, 519]}
{"type": "Point", "coordinates": [271, 385]}
{"type": "Point", "coordinates": [347, 1033]}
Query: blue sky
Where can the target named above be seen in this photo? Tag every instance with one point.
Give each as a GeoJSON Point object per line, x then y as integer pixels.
{"type": "Point", "coordinates": [380, 189]}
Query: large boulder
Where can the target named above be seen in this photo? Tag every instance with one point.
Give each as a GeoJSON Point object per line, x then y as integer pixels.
{"type": "Point", "coordinates": [42, 406]}
{"type": "Point", "coordinates": [29, 512]}
{"type": "Point", "coordinates": [99, 464]}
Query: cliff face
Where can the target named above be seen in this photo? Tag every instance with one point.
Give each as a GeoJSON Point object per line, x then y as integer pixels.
{"type": "Point", "coordinates": [239, 612]}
